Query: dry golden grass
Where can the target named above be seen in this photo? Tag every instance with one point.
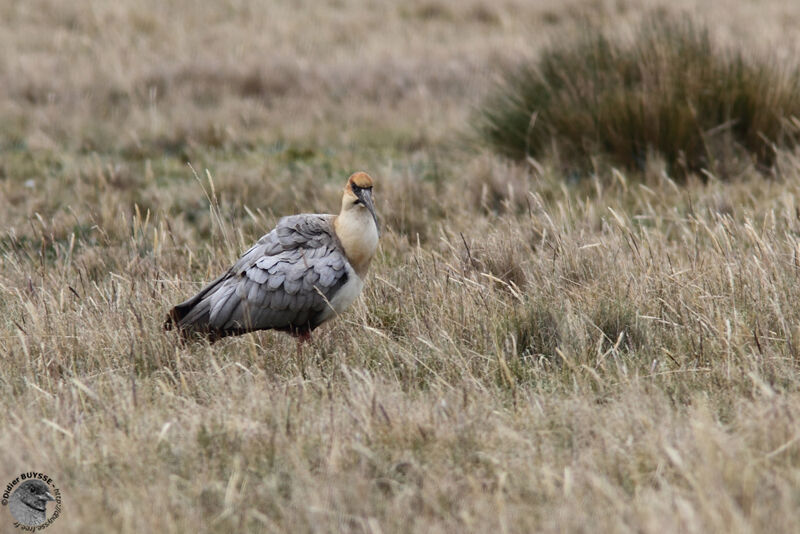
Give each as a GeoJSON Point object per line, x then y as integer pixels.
{"type": "Point", "coordinates": [529, 354]}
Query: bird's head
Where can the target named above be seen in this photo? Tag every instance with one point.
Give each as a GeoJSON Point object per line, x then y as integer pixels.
{"type": "Point", "coordinates": [35, 494]}
{"type": "Point", "coordinates": [358, 195]}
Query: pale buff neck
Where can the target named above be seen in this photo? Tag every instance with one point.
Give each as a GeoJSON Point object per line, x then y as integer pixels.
{"type": "Point", "coordinates": [358, 235]}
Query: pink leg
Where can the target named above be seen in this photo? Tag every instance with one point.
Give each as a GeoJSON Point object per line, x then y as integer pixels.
{"type": "Point", "coordinates": [302, 338]}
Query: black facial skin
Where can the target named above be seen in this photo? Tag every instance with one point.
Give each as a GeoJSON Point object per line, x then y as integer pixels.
{"type": "Point", "coordinates": [364, 196]}
{"type": "Point", "coordinates": [357, 192]}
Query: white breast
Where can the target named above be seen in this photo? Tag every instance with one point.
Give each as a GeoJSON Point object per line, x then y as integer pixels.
{"type": "Point", "coordinates": [346, 295]}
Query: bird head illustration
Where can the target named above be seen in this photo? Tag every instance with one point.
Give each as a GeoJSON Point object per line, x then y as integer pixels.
{"type": "Point", "coordinates": [28, 503]}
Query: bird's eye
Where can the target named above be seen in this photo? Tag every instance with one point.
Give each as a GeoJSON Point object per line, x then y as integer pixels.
{"type": "Point", "coordinates": [33, 490]}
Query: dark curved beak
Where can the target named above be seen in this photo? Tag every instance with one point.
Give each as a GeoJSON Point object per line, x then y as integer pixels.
{"type": "Point", "coordinates": [365, 196]}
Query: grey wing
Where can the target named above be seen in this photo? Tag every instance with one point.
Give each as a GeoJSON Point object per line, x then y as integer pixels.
{"type": "Point", "coordinates": [290, 233]}
{"type": "Point", "coordinates": [284, 282]}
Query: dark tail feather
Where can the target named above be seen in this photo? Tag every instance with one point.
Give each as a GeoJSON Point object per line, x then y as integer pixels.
{"type": "Point", "coordinates": [191, 317]}
{"type": "Point", "coordinates": [176, 316]}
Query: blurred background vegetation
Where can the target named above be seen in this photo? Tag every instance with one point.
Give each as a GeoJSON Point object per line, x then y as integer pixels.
{"type": "Point", "coordinates": [667, 92]}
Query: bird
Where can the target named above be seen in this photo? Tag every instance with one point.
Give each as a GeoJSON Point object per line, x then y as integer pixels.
{"type": "Point", "coordinates": [28, 504]}
{"type": "Point", "coordinates": [303, 273]}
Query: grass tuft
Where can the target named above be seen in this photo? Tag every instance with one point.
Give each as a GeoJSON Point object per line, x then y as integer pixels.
{"type": "Point", "coordinates": [669, 91]}
{"type": "Point", "coordinates": [536, 328]}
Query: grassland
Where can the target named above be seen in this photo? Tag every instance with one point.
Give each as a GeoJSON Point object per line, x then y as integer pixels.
{"type": "Point", "coordinates": [532, 352]}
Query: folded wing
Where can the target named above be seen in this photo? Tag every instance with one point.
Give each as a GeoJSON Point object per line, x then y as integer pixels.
{"type": "Point", "coordinates": [284, 282]}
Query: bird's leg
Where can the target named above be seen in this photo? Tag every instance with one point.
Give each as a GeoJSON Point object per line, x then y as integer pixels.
{"type": "Point", "coordinates": [302, 337]}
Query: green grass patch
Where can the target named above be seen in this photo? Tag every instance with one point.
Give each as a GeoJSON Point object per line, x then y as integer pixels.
{"type": "Point", "coordinates": [669, 91]}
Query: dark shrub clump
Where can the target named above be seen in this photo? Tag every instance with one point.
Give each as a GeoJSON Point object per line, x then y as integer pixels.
{"type": "Point", "coordinates": [669, 91]}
